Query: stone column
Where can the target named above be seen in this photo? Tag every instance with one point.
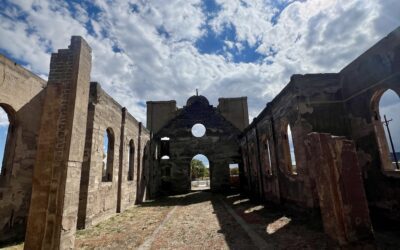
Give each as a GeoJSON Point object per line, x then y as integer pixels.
{"type": "Point", "coordinates": [55, 189]}
{"type": "Point", "coordinates": [335, 169]}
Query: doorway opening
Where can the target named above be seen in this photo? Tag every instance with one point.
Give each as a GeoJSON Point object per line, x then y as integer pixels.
{"type": "Point", "coordinates": [234, 179]}
{"type": "Point", "coordinates": [200, 173]}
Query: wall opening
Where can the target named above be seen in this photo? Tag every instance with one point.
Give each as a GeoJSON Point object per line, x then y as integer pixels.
{"type": "Point", "coordinates": [6, 132]}
{"type": "Point", "coordinates": [108, 155]}
{"type": "Point", "coordinates": [387, 128]}
{"type": "Point", "coordinates": [200, 172]}
{"type": "Point", "coordinates": [198, 130]}
{"type": "Point", "coordinates": [234, 179]}
{"type": "Point", "coordinates": [164, 148]}
{"type": "Point", "coordinates": [131, 160]}
{"type": "Point", "coordinates": [268, 157]}
{"type": "Point", "coordinates": [289, 151]}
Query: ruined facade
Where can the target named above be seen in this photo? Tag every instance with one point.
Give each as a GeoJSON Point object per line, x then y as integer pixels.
{"type": "Point", "coordinates": [56, 176]}
{"type": "Point", "coordinates": [341, 104]}
{"type": "Point", "coordinates": [74, 156]}
{"type": "Point", "coordinates": [220, 143]}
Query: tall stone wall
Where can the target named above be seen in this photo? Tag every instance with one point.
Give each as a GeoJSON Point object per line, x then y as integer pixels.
{"type": "Point", "coordinates": [343, 104]}
{"type": "Point", "coordinates": [101, 195]}
{"type": "Point", "coordinates": [55, 189]}
{"type": "Point", "coordinates": [235, 110]}
{"type": "Point", "coordinates": [302, 105]}
{"type": "Point", "coordinates": [54, 152]}
{"type": "Point", "coordinates": [101, 199]}
{"type": "Point", "coordinates": [364, 81]}
{"type": "Point", "coordinates": [340, 188]}
{"type": "Point", "coordinates": [159, 114]}
{"type": "Point", "coordinates": [220, 145]}
{"type": "Point", "coordinates": [22, 98]}
{"type": "Point", "coordinates": [133, 131]}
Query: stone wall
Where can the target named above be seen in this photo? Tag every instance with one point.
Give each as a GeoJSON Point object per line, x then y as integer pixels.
{"type": "Point", "coordinates": [337, 177]}
{"type": "Point", "coordinates": [101, 195]}
{"type": "Point", "coordinates": [343, 104]}
{"type": "Point", "coordinates": [55, 186]}
{"type": "Point", "coordinates": [235, 110]}
{"type": "Point", "coordinates": [219, 144]}
{"type": "Point", "coordinates": [101, 199]}
{"type": "Point", "coordinates": [364, 81]}
{"type": "Point", "coordinates": [22, 98]}
{"type": "Point", "coordinates": [54, 152]}
{"type": "Point", "coordinates": [308, 103]}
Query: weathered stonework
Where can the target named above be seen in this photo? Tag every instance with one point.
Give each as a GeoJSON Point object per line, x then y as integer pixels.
{"type": "Point", "coordinates": [21, 96]}
{"type": "Point", "coordinates": [59, 127]}
{"type": "Point", "coordinates": [337, 176]}
{"type": "Point", "coordinates": [54, 156]}
{"type": "Point", "coordinates": [98, 199]}
{"type": "Point", "coordinates": [219, 144]}
{"type": "Point", "coordinates": [343, 104]}
{"type": "Point", "coordinates": [55, 186]}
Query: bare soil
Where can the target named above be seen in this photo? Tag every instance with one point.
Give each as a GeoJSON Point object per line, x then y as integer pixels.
{"type": "Point", "coordinates": [203, 220]}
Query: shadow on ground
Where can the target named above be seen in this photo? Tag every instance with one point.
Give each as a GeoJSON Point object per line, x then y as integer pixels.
{"type": "Point", "coordinates": [279, 229]}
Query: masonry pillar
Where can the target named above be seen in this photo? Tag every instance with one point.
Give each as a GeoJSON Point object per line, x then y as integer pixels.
{"type": "Point", "coordinates": [335, 169]}
{"type": "Point", "coordinates": [55, 190]}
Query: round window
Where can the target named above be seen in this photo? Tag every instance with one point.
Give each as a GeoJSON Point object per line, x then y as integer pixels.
{"type": "Point", "coordinates": [198, 130]}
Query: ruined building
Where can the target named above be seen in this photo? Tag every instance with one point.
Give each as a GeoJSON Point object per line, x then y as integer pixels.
{"type": "Point", "coordinates": [57, 177]}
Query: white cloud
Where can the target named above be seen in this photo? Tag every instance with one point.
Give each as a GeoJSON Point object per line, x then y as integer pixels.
{"type": "Point", "coordinates": [155, 56]}
{"type": "Point", "coordinates": [3, 118]}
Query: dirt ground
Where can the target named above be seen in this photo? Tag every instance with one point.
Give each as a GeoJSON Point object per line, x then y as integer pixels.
{"type": "Point", "coordinates": [202, 220]}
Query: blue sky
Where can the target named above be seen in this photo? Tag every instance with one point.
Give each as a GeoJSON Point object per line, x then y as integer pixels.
{"type": "Point", "coordinates": [389, 105]}
{"type": "Point", "coordinates": [150, 50]}
{"type": "Point", "coordinates": [3, 133]}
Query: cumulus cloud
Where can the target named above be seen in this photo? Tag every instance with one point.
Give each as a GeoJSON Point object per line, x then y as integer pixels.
{"type": "Point", "coordinates": [3, 118]}
{"type": "Point", "coordinates": [147, 50]}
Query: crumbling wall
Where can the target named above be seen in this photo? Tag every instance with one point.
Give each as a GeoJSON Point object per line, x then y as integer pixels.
{"type": "Point", "coordinates": [301, 104]}
{"type": "Point", "coordinates": [129, 187]}
{"type": "Point", "coordinates": [340, 188]}
{"type": "Point", "coordinates": [235, 110]}
{"type": "Point", "coordinates": [343, 104]}
{"type": "Point", "coordinates": [101, 199]}
{"type": "Point", "coordinates": [64, 189]}
{"type": "Point", "coordinates": [21, 96]}
{"type": "Point", "coordinates": [159, 114]}
{"type": "Point", "coordinates": [363, 82]}
{"type": "Point", "coordinates": [55, 187]}
{"type": "Point", "coordinates": [220, 145]}
{"type": "Point", "coordinates": [144, 187]}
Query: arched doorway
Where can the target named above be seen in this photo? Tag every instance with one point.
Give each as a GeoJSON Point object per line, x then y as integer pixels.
{"type": "Point", "coordinates": [200, 172]}
{"type": "Point", "coordinates": [386, 118]}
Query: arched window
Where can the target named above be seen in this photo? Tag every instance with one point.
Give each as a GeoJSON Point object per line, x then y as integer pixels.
{"type": "Point", "coordinates": [164, 148]}
{"type": "Point", "coordinates": [4, 139]}
{"type": "Point", "coordinates": [387, 127]}
{"type": "Point", "coordinates": [269, 157]}
{"type": "Point", "coordinates": [131, 160]}
{"type": "Point", "coordinates": [290, 152]}
{"type": "Point", "coordinates": [6, 132]}
{"type": "Point", "coordinates": [108, 155]}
